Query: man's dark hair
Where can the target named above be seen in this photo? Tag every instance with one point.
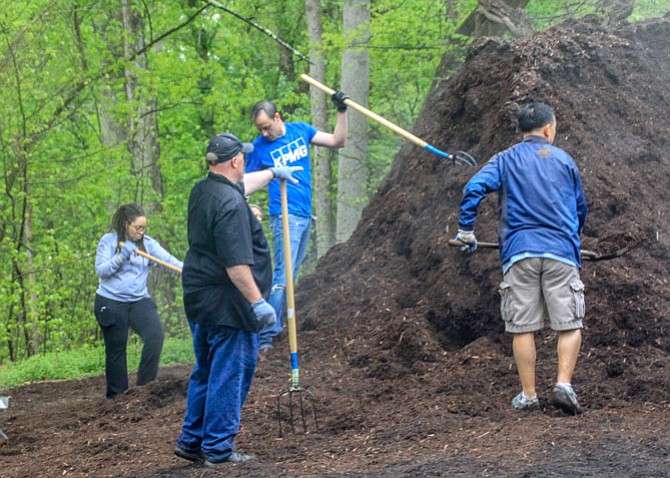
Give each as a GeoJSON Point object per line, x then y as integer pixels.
{"type": "Point", "coordinates": [265, 106]}
{"type": "Point", "coordinates": [534, 115]}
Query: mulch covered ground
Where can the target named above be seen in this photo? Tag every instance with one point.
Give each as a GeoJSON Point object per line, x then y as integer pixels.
{"type": "Point", "coordinates": [400, 336]}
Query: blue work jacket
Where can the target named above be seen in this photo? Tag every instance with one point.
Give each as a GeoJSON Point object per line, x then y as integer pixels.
{"type": "Point", "coordinates": [541, 203]}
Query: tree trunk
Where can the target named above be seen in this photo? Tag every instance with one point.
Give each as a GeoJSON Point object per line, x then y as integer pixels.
{"type": "Point", "coordinates": [142, 139]}
{"type": "Point", "coordinates": [142, 136]}
{"type": "Point", "coordinates": [497, 12]}
{"type": "Point", "coordinates": [469, 26]}
{"type": "Point", "coordinates": [33, 345]}
{"type": "Point", "coordinates": [352, 160]}
{"type": "Point", "coordinates": [24, 247]}
{"type": "Point", "coordinates": [473, 26]}
{"type": "Point", "coordinates": [323, 187]}
{"type": "Point", "coordinates": [614, 11]}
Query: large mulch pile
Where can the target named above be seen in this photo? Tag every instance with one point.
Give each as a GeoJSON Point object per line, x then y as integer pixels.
{"type": "Point", "coordinates": [400, 335]}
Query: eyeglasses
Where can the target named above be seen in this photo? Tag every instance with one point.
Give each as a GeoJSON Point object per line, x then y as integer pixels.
{"type": "Point", "coordinates": [139, 228]}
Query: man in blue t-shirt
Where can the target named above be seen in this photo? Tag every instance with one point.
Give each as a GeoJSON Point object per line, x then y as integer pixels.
{"type": "Point", "coordinates": [542, 211]}
{"type": "Point", "coordinates": [287, 144]}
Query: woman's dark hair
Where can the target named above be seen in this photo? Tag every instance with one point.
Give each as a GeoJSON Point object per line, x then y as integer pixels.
{"type": "Point", "coordinates": [123, 216]}
{"type": "Point", "coordinates": [534, 115]}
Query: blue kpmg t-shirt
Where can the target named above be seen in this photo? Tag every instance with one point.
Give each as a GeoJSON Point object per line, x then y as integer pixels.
{"type": "Point", "coordinates": [292, 149]}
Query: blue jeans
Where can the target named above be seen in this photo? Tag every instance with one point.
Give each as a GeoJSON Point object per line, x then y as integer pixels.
{"type": "Point", "coordinates": [300, 228]}
{"type": "Point", "coordinates": [224, 368]}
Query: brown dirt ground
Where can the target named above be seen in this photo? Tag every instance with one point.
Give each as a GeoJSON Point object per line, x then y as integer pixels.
{"type": "Point", "coordinates": [400, 337]}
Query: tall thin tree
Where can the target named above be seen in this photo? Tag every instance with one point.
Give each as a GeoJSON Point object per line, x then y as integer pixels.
{"type": "Point", "coordinates": [352, 160]}
{"type": "Point", "coordinates": [323, 187]}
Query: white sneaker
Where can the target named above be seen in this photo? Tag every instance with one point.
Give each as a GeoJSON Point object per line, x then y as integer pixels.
{"type": "Point", "coordinates": [565, 398]}
{"type": "Point", "coordinates": [521, 402]}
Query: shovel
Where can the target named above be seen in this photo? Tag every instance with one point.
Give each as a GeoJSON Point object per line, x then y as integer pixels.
{"type": "Point", "coordinates": [460, 157]}
{"type": "Point", "coordinates": [304, 398]}
{"type": "Point", "coordinates": [586, 255]}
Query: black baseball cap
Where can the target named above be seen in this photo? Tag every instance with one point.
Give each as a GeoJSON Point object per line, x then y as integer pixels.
{"type": "Point", "coordinates": [225, 146]}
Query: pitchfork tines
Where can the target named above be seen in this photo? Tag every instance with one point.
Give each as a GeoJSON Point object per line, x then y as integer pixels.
{"type": "Point", "coordinates": [296, 405]}
{"type": "Point", "coordinates": [460, 157]}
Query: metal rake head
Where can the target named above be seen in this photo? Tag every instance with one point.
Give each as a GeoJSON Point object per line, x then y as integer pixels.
{"type": "Point", "coordinates": [464, 158]}
{"type": "Point", "coordinates": [296, 404]}
{"type": "Point", "coordinates": [460, 156]}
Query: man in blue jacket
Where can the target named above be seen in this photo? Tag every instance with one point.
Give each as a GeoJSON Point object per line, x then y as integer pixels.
{"type": "Point", "coordinates": [541, 212]}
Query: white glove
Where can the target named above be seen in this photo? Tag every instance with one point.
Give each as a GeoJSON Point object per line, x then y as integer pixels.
{"type": "Point", "coordinates": [468, 239]}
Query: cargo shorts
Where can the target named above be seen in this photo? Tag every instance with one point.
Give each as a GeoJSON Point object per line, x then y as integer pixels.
{"type": "Point", "coordinates": [535, 289]}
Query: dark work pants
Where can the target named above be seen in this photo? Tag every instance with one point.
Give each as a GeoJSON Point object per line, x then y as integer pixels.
{"type": "Point", "coordinates": [116, 318]}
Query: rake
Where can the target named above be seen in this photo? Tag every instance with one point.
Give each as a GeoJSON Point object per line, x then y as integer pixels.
{"type": "Point", "coordinates": [167, 265]}
{"type": "Point", "coordinates": [295, 396]}
{"type": "Point", "coordinates": [587, 255]}
{"type": "Point", "coordinates": [459, 157]}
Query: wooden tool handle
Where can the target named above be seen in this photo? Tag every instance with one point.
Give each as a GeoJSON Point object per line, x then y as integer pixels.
{"type": "Point", "coordinates": [366, 112]}
{"type": "Point", "coordinates": [288, 268]}
{"type": "Point", "coordinates": [167, 265]}
{"type": "Point", "coordinates": [588, 255]}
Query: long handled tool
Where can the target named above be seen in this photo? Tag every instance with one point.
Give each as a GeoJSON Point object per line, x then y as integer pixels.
{"type": "Point", "coordinates": [460, 156]}
{"type": "Point", "coordinates": [295, 392]}
{"type": "Point", "coordinates": [586, 255]}
{"type": "Point", "coordinates": [167, 265]}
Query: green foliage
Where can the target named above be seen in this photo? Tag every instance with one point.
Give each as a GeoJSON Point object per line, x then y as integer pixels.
{"type": "Point", "coordinates": [83, 362]}
{"type": "Point", "coordinates": [67, 126]}
{"type": "Point", "coordinates": [87, 361]}
{"type": "Point", "coordinates": [649, 9]}
{"type": "Point", "coordinates": [547, 13]}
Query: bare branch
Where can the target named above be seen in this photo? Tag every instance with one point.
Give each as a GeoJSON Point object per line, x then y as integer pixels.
{"type": "Point", "coordinates": [258, 27]}
{"type": "Point", "coordinates": [166, 34]}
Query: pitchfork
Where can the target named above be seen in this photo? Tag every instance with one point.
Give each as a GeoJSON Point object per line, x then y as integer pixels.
{"type": "Point", "coordinates": [304, 398]}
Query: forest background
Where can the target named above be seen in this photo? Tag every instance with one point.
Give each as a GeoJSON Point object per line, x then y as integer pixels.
{"type": "Point", "coordinates": [111, 102]}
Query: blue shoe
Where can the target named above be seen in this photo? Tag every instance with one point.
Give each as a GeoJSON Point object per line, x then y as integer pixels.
{"type": "Point", "coordinates": [521, 402]}
{"type": "Point", "coordinates": [234, 457]}
{"type": "Point", "coordinates": [565, 398]}
{"type": "Point", "coordinates": [196, 456]}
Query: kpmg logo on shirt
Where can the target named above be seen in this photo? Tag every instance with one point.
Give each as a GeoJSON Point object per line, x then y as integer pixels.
{"type": "Point", "coordinates": [290, 153]}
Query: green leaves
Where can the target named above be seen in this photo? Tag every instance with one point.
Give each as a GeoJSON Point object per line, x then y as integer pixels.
{"type": "Point", "coordinates": [67, 124]}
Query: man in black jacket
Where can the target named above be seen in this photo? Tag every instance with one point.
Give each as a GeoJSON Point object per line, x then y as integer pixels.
{"type": "Point", "coordinates": [226, 277]}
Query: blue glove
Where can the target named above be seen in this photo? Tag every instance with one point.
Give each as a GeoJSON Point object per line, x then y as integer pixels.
{"type": "Point", "coordinates": [338, 100]}
{"type": "Point", "coordinates": [286, 172]}
{"type": "Point", "coordinates": [468, 239]}
{"type": "Point", "coordinates": [127, 249]}
{"type": "Point", "coordinates": [265, 313]}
